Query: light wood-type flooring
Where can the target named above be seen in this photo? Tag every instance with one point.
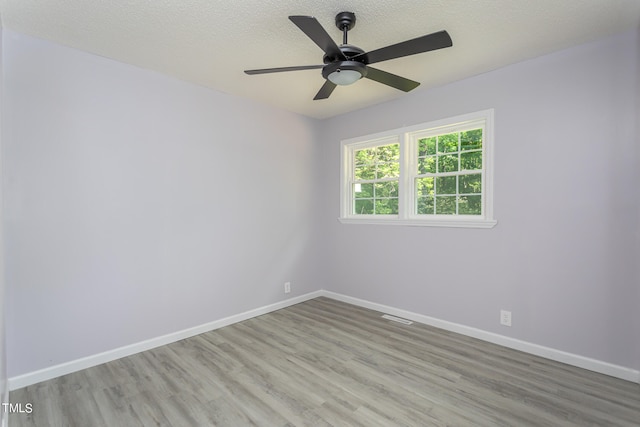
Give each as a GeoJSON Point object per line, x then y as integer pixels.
{"type": "Point", "coordinates": [327, 363]}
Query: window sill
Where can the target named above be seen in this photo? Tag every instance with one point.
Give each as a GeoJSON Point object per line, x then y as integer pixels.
{"type": "Point", "coordinates": [448, 222]}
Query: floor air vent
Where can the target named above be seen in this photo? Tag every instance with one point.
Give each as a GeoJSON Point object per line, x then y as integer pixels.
{"type": "Point", "coordinates": [397, 319]}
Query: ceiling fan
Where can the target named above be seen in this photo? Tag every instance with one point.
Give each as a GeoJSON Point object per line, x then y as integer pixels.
{"type": "Point", "coordinates": [346, 64]}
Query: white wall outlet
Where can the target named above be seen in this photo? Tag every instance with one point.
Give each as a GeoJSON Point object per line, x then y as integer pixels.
{"type": "Point", "coordinates": [287, 287]}
{"type": "Point", "coordinates": [505, 317]}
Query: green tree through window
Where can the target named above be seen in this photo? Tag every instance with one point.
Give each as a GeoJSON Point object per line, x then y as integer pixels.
{"type": "Point", "coordinates": [449, 175]}
{"type": "Point", "coordinates": [375, 185]}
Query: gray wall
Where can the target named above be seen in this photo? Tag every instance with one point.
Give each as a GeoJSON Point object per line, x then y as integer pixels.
{"type": "Point", "coordinates": [138, 205]}
{"type": "Point", "coordinates": [4, 391]}
{"type": "Point", "coordinates": [637, 194]}
{"type": "Point", "coordinates": [563, 257]}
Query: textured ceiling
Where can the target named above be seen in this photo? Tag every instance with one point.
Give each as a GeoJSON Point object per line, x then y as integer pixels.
{"type": "Point", "coordinates": [211, 42]}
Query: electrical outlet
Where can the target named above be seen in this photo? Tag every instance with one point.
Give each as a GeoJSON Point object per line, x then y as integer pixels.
{"type": "Point", "coordinates": [505, 317]}
{"type": "Point", "coordinates": [287, 287]}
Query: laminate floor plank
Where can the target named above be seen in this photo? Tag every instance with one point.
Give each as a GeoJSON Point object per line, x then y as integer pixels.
{"type": "Point", "coordinates": [328, 363]}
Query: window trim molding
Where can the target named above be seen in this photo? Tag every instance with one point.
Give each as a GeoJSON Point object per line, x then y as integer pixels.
{"type": "Point", "coordinates": [404, 137]}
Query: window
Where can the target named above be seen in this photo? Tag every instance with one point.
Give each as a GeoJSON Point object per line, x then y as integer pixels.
{"type": "Point", "coordinates": [434, 174]}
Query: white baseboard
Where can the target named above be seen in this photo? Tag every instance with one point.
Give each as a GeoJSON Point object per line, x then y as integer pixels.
{"type": "Point", "coordinates": [110, 355]}
{"type": "Point", "coordinates": [622, 372]}
{"type": "Point", "coordinates": [535, 349]}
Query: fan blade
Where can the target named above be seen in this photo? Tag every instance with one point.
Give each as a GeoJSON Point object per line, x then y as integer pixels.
{"type": "Point", "coordinates": [391, 79]}
{"type": "Point", "coordinates": [312, 28]}
{"type": "Point", "coordinates": [422, 44]}
{"type": "Point", "coordinates": [325, 90]}
{"type": "Point", "coordinates": [281, 69]}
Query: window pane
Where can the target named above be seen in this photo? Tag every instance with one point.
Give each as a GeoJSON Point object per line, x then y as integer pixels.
{"type": "Point", "coordinates": [446, 185]}
{"type": "Point", "coordinates": [365, 172]}
{"type": "Point", "coordinates": [427, 165]}
{"type": "Point", "coordinates": [387, 189]}
{"type": "Point", "coordinates": [386, 206]}
{"type": "Point", "coordinates": [366, 191]}
{"type": "Point", "coordinates": [448, 143]}
{"type": "Point", "coordinates": [470, 205]}
{"type": "Point", "coordinates": [470, 183]}
{"type": "Point", "coordinates": [388, 170]}
{"type": "Point", "coordinates": [365, 157]}
{"type": "Point", "coordinates": [471, 161]}
{"type": "Point", "coordinates": [471, 139]}
{"type": "Point", "coordinates": [363, 206]}
{"type": "Point", "coordinates": [446, 205]}
{"type": "Point", "coordinates": [424, 186]}
{"type": "Point", "coordinates": [388, 153]}
{"type": "Point", "coordinates": [427, 146]}
{"type": "Point", "coordinates": [425, 206]}
{"type": "Point", "coordinates": [448, 163]}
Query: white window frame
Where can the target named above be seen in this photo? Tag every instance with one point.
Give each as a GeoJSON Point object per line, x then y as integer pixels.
{"type": "Point", "coordinates": [407, 137]}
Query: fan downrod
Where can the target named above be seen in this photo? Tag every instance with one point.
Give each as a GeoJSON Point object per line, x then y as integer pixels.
{"type": "Point", "coordinates": [345, 21]}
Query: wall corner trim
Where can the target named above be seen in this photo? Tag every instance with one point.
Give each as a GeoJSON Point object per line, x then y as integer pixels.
{"type": "Point", "coordinates": [576, 360]}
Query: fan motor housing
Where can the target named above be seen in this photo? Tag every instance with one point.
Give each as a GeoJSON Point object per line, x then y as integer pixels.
{"type": "Point", "coordinates": [349, 51]}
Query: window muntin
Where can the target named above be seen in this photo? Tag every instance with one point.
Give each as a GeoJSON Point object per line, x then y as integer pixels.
{"type": "Point", "coordinates": [435, 174]}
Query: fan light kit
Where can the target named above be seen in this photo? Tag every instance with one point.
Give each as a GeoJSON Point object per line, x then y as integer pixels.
{"type": "Point", "coordinates": [346, 64]}
{"type": "Point", "coordinates": [345, 73]}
